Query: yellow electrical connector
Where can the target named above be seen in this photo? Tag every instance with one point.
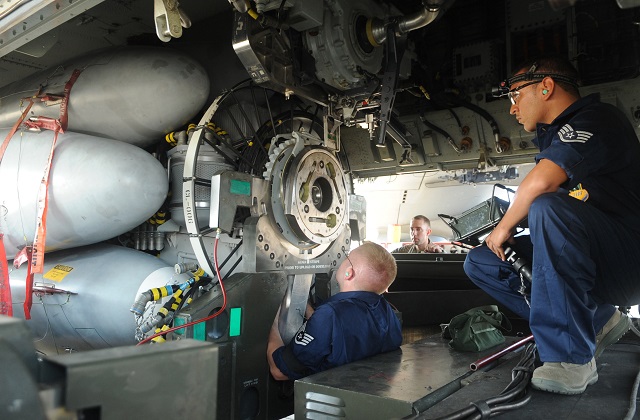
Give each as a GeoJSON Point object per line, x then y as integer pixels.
{"type": "Point", "coordinates": [160, 339]}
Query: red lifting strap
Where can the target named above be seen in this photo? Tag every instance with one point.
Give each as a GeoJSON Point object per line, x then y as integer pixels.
{"type": "Point", "coordinates": [28, 291]}
{"type": "Point", "coordinates": [35, 258]}
{"type": "Point", "coordinates": [45, 123]}
{"type": "Point", "coordinates": [58, 126]}
{"type": "Point", "coordinates": [6, 305]}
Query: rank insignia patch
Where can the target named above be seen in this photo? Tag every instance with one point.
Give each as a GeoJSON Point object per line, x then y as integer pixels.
{"type": "Point", "coordinates": [303, 338]}
{"type": "Point", "coordinates": [569, 135]}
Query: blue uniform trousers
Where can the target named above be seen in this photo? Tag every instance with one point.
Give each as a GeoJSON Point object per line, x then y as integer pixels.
{"type": "Point", "coordinates": [583, 263]}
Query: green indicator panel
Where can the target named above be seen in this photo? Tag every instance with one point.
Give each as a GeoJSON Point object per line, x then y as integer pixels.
{"type": "Point", "coordinates": [240, 187]}
{"type": "Point", "coordinates": [176, 323]}
{"type": "Point", "coordinates": [235, 321]}
{"type": "Point", "coordinates": [199, 331]}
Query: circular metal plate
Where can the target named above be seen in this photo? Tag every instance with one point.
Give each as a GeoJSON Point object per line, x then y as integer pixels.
{"type": "Point", "coordinates": [315, 195]}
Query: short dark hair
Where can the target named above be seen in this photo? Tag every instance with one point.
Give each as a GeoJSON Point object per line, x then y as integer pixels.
{"type": "Point", "coordinates": [423, 218]}
{"type": "Point", "coordinates": [553, 65]}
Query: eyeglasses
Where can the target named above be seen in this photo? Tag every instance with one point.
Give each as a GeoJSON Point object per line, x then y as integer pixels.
{"type": "Point", "coordinates": [348, 259]}
{"type": "Point", "coordinates": [514, 93]}
{"type": "Point", "coordinates": [346, 254]}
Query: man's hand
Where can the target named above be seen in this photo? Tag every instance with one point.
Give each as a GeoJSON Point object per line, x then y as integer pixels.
{"type": "Point", "coordinates": [496, 240]}
{"type": "Point", "coordinates": [545, 177]}
{"type": "Point", "coordinates": [431, 247]}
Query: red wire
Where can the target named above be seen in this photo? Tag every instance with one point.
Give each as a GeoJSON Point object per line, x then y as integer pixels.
{"type": "Point", "coordinates": [224, 301]}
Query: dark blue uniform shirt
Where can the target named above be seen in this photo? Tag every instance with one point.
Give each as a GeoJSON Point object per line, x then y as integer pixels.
{"type": "Point", "coordinates": [597, 147]}
{"type": "Point", "coordinates": [348, 326]}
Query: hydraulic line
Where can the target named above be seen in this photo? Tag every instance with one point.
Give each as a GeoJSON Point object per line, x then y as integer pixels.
{"type": "Point", "coordinates": [218, 312]}
{"type": "Point", "coordinates": [152, 295]}
{"type": "Point", "coordinates": [457, 100]}
{"type": "Point", "coordinates": [174, 303]}
{"type": "Point", "coordinates": [168, 309]}
{"type": "Point", "coordinates": [202, 280]}
{"type": "Point", "coordinates": [377, 30]}
{"type": "Point", "coordinates": [441, 131]}
{"type": "Point", "coordinates": [434, 127]}
{"type": "Point", "coordinates": [455, 116]}
{"type": "Point", "coordinates": [211, 131]}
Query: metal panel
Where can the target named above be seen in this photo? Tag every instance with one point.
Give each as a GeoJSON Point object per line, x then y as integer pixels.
{"type": "Point", "coordinates": [531, 14]}
{"type": "Point", "coordinates": [390, 385]}
{"type": "Point", "coordinates": [27, 23]}
{"type": "Point", "coordinates": [19, 397]}
{"type": "Point", "coordinates": [143, 382]}
{"type": "Point", "coordinates": [247, 383]}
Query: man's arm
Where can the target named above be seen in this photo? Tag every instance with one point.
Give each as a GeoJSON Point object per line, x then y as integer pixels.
{"type": "Point", "coordinates": [545, 177]}
{"type": "Point", "coordinates": [309, 311]}
{"type": "Point", "coordinates": [274, 343]}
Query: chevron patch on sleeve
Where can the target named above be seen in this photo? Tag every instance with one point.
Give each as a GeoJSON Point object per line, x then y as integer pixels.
{"type": "Point", "coordinates": [303, 338]}
{"type": "Point", "coordinates": [568, 135]}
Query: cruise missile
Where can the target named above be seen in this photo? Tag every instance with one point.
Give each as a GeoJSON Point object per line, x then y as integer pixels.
{"type": "Point", "coordinates": [98, 189]}
{"type": "Point", "coordinates": [131, 94]}
{"type": "Point", "coordinates": [82, 299]}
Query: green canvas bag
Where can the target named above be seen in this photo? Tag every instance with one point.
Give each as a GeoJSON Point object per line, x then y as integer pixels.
{"type": "Point", "coordinates": [477, 329]}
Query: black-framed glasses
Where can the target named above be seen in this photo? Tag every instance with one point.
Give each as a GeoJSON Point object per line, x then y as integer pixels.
{"type": "Point", "coordinates": [514, 93]}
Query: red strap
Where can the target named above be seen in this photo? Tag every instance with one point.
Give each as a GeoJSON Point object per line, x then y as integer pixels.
{"type": "Point", "coordinates": [6, 306]}
{"type": "Point", "coordinates": [58, 126]}
{"type": "Point", "coordinates": [37, 261]}
{"type": "Point", "coordinates": [64, 118]}
{"type": "Point", "coordinates": [28, 292]}
{"type": "Point", "coordinates": [46, 123]}
{"type": "Point", "coordinates": [20, 258]}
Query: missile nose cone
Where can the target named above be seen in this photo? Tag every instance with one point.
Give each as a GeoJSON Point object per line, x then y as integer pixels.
{"type": "Point", "coordinates": [131, 94]}
{"type": "Point", "coordinates": [98, 189]}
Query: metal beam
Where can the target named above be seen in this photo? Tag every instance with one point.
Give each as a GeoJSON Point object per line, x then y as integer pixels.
{"type": "Point", "coordinates": [36, 17]}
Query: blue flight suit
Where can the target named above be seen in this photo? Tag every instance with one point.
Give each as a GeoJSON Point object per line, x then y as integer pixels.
{"type": "Point", "coordinates": [348, 326]}
{"type": "Point", "coordinates": [584, 254]}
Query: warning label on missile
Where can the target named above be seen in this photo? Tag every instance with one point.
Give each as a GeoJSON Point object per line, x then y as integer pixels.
{"type": "Point", "coordinates": [58, 272]}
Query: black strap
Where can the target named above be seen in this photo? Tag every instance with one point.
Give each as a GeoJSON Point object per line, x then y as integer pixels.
{"type": "Point", "coordinates": [483, 408]}
{"type": "Point", "coordinates": [505, 324]}
{"type": "Point", "coordinates": [486, 308]}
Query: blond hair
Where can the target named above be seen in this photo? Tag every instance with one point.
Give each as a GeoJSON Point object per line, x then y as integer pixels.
{"type": "Point", "coordinates": [380, 267]}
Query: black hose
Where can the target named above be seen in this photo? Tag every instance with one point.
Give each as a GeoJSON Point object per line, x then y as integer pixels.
{"type": "Point", "coordinates": [441, 131]}
{"type": "Point", "coordinates": [512, 397]}
{"type": "Point", "coordinates": [457, 100]}
{"type": "Point", "coordinates": [453, 113]}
